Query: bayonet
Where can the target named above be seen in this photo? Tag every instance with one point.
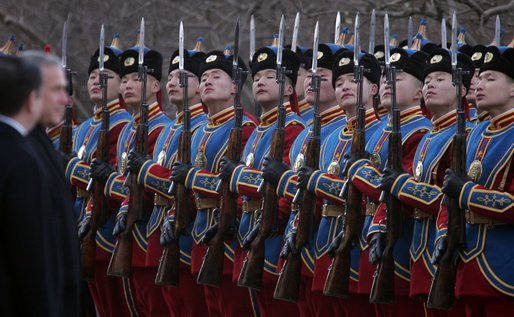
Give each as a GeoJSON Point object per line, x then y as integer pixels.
{"type": "Point", "coordinates": [497, 31]}
{"type": "Point", "coordinates": [454, 41]}
{"type": "Point", "coordinates": [410, 34]}
{"type": "Point", "coordinates": [444, 41]}
{"type": "Point", "coordinates": [372, 27]}
{"type": "Point", "coordinates": [181, 47]}
{"type": "Point", "coordinates": [337, 27]}
{"type": "Point", "coordinates": [296, 29]}
{"type": "Point", "coordinates": [141, 55]}
{"type": "Point", "coordinates": [235, 56]}
{"type": "Point", "coordinates": [356, 44]}
{"type": "Point", "coordinates": [387, 51]}
{"type": "Point", "coordinates": [252, 37]}
{"type": "Point", "coordinates": [315, 49]}
{"type": "Point", "coordinates": [64, 45]}
{"type": "Point", "coordinates": [101, 46]}
{"type": "Point", "coordinates": [280, 42]}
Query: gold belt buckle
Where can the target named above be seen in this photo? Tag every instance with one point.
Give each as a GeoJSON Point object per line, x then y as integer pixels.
{"type": "Point", "coordinates": [418, 214]}
{"type": "Point", "coordinates": [82, 193]}
{"type": "Point", "coordinates": [371, 209]}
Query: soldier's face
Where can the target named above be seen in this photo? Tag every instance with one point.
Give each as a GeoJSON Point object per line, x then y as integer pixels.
{"type": "Point", "coordinates": [216, 86]}
{"type": "Point", "coordinates": [175, 92]}
{"type": "Point", "coordinates": [346, 91]}
{"type": "Point", "coordinates": [439, 92]}
{"type": "Point", "coordinates": [474, 81]}
{"type": "Point", "coordinates": [266, 90]}
{"type": "Point", "coordinates": [54, 95]}
{"type": "Point", "coordinates": [299, 88]}
{"type": "Point", "coordinates": [408, 91]}
{"type": "Point", "coordinates": [494, 90]}
{"type": "Point", "coordinates": [93, 86]}
{"type": "Point", "coordinates": [326, 93]}
{"type": "Point", "coordinates": [130, 88]}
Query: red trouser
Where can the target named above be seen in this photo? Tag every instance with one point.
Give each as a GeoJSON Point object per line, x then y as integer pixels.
{"type": "Point", "coordinates": [230, 300]}
{"type": "Point", "coordinates": [188, 299]}
{"type": "Point", "coordinates": [270, 307]}
{"type": "Point", "coordinates": [148, 295]}
{"type": "Point", "coordinates": [112, 295]}
{"type": "Point", "coordinates": [478, 296]}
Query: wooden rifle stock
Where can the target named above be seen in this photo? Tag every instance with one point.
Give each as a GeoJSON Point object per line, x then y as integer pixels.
{"type": "Point", "coordinates": [338, 278]}
{"type": "Point", "coordinates": [288, 284]}
{"type": "Point", "coordinates": [442, 291]}
{"type": "Point", "coordinates": [212, 267]}
{"type": "Point", "coordinates": [383, 289]}
{"type": "Point", "coordinates": [168, 271]}
{"type": "Point", "coordinates": [121, 260]}
{"type": "Point", "coordinates": [99, 211]}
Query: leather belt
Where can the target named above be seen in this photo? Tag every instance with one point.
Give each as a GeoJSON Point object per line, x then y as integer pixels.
{"type": "Point", "coordinates": [418, 214]}
{"type": "Point", "coordinates": [475, 218]}
{"type": "Point", "coordinates": [82, 193]}
{"type": "Point", "coordinates": [251, 205]}
{"type": "Point", "coordinates": [371, 209]}
{"type": "Point", "coordinates": [206, 203]}
{"type": "Point", "coordinates": [332, 210]}
{"type": "Point", "coordinates": [161, 200]}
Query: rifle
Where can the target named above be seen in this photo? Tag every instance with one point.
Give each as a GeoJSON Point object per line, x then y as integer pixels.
{"type": "Point", "coordinates": [338, 278]}
{"type": "Point", "coordinates": [168, 271]}
{"type": "Point", "coordinates": [442, 291]}
{"type": "Point", "coordinates": [121, 260]}
{"type": "Point", "coordinates": [211, 271]}
{"type": "Point", "coordinates": [288, 284]}
{"type": "Point", "coordinates": [100, 211]}
{"type": "Point", "coordinates": [253, 266]}
{"type": "Point", "coordinates": [65, 139]}
{"type": "Point", "coordinates": [382, 289]}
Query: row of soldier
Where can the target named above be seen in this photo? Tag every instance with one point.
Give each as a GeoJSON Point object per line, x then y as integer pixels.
{"type": "Point", "coordinates": [327, 98]}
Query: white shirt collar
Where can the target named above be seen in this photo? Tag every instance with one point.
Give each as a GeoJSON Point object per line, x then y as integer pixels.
{"type": "Point", "coordinates": [14, 124]}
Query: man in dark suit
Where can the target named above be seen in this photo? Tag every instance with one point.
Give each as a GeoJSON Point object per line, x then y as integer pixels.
{"type": "Point", "coordinates": [24, 243]}
{"type": "Point", "coordinates": [64, 255]}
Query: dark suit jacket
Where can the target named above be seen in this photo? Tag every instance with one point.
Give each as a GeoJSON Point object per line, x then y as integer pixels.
{"type": "Point", "coordinates": [39, 272]}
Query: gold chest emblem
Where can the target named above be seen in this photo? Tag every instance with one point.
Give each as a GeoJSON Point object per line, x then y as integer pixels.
{"type": "Point", "coordinates": [124, 162]}
{"type": "Point", "coordinates": [475, 171]}
{"type": "Point", "coordinates": [334, 168]}
{"type": "Point", "coordinates": [249, 160]}
{"type": "Point", "coordinates": [418, 172]}
{"type": "Point", "coordinates": [161, 158]}
{"type": "Point", "coordinates": [200, 160]}
{"type": "Point", "coordinates": [81, 152]}
{"type": "Point", "coordinates": [375, 159]}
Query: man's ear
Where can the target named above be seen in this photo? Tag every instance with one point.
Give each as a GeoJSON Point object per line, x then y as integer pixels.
{"type": "Point", "coordinates": [156, 86]}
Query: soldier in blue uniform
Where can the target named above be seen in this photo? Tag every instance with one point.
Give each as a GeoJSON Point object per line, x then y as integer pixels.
{"type": "Point", "coordinates": [244, 178]}
{"type": "Point", "coordinates": [284, 176]}
{"type": "Point", "coordinates": [111, 295]}
{"type": "Point", "coordinates": [327, 182]}
{"type": "Point", "coordinates": [484, 278]}
{"type": "Point", "coordinates": [209, 144]}
{"type": "Point", "coordinates": [188, 299]}
{"type": "Point", "coordinates": [147, 295]}
{"type": "Point", "coordinates": [365, 175]}
{"type": "Point", "coordinates": [433, 156]}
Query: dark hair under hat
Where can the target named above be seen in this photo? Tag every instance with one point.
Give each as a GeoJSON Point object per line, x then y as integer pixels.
{"type": "Point", "coordinates": [440, 60]}
{"type": "Point", "coordinates": [266, 58]}
{"type": "Point", "coordinates": [192, 61]}
{"type": "Point", "coordinates": [217, 59]}
{"type": "Point", "coordinates": [344, 65]}
{"type": "Point", "coordinates": [499, 58]}
{"type": "Point", "coordinates": [152, 60]}
{"type": "Point", "coordinates": [409, 61]}
{"type": "Point", "coordinates": [111, 60]}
